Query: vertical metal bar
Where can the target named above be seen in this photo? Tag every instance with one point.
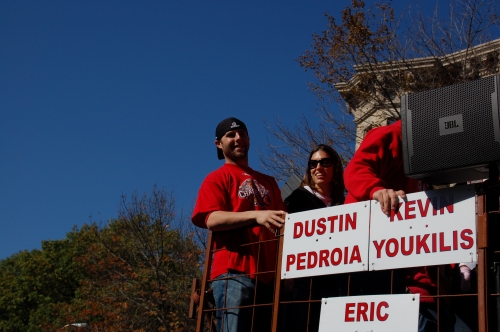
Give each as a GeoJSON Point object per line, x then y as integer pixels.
{"type": "Point", "coordinates": [192, 305]}
{"type": "Point", "coordinates": [277, 283]}
{"type": "Point", "coordinates": [482, 222]}
{"type": "Point", "coordinates": [255, 290]}
{"type": "Point", "coordinates": [206, 272]}
{"type": "Point", "coordinates": [482, 244]}
{"type": "Point", "coordinates": [482, 300]}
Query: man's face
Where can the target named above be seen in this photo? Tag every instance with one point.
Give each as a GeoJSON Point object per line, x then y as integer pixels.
{"type": "Point", "coordinates": [235, 145]}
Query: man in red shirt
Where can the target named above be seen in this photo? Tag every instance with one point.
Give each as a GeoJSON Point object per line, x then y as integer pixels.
{"type": "Point", "coordinates": [240, 206]}
{"type": "Point", "coordinates": [376, 172]}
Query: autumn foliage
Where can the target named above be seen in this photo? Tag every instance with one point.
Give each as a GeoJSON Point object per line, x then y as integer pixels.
{"type": "Point", "coordinates": [132, 274]}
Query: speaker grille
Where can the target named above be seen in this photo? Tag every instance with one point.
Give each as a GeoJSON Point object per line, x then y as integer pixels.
{"type": "Point", "coordinates": [474, 145]}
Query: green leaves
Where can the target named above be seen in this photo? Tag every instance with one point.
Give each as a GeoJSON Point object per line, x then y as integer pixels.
{"type": "Point", "coordinates": [134, 273]}
{"type": "Point", "coordinates": [33, 284]}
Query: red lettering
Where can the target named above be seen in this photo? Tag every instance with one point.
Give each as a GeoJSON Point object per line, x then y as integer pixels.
{"type": "Point", "coordinates": [408, 209]}
{"type": "Point", "coordinates": [362, 309]}
{"type": "Point", "coordinates": [290, 260]}
{"type": "Point", "coordinates": [313, 224]}
{"type": "Point", "coordinates": [444, 203]}
{"type": "Point", "coordinates": [350, 222]}
{"type": "Point", "coordinates": [321, 226]}
{"type": "Point", "coordinates": [423, 210]}
{"type": "Point", "coordinates": [378, 247]}
{"type": "Point", "coordinates": [301, 259]}
{"type": "Point", "coordinates": [349, 311]}
{"type": "Point", "coordinates": [323, 258]}
{"type": "Point", "coordinates": [334, 261]}
{"type": "Point", "coordinates": [356, 255]}
{"type": "Point", "coordinates": [388, 251]}
{"type": "Point", "coordinates": [422, 244]}
{"type": "Point", "coordinates": [312, 259]}
{"type": "Point", "coordinates": [434, 242]}
{"type": "Point", "coordinates": [297, 230]}
{"type": "Point", "coordinates": [404, 251]}
{"type": "Point", "coordinates": [464, 235]}
{"type": "Point", "coordinates": [455, 240]}
{"type": "Point", "coordinates": [442, 247]}
{"type": "Point", "coordinates": [381, 317]}
{"type": "Point", "coordinates": [347, 223]}
{"type": "Point", "coordinates": [332, 223]}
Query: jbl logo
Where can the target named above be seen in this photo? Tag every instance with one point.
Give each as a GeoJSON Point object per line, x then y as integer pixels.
{"type": "Point", "coordinates": [451, 124]}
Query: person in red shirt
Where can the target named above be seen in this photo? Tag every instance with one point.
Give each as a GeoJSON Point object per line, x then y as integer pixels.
{"type": "Point", "coordinates": [241, 207]}
{"type": "Point", "coordinates": [376, 172]}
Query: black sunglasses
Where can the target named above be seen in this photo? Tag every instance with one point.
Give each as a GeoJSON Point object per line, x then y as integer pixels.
{"type": "Point", "coordinates": [325, 162]}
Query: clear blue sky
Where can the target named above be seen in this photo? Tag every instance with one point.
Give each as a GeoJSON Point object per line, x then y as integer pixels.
{"type": "Point", "coordinates": [104, 98]}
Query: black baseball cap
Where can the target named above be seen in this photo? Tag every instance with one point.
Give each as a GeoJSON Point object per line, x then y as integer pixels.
{"type": "Point", "coordinates": [223, 127]}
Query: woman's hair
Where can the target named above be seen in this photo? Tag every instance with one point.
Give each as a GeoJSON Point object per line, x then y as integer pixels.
{"type": "Point", "coordinates": [337, 185]}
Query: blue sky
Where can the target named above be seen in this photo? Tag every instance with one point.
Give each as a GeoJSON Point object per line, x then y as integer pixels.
{"type": "Point", "coordinates": [104, 98]}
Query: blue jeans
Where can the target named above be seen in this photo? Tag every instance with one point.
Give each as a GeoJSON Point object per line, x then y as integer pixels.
{"type": "Point", "coordinates": [449, 322]}
{"type": "Point", "coordinates": [230, 293]}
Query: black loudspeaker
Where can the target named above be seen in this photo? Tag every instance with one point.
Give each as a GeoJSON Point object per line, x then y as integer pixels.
{"type": "Point", "coordinates": [452, 134]}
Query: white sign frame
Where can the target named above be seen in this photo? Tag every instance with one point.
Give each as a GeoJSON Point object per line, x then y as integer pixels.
{"type": "Point", "coordinates": [397, 313]}
{"type": "Point", "coordinates": [446, 235]}
{"type": "Point", "coordinates": [305, 247]}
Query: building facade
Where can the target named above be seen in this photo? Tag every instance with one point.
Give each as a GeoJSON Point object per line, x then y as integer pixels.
{"type": "Point", "coordinates": [373, 94]}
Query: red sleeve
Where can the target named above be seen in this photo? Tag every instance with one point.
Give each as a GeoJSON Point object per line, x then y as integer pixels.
{"type": "Point", "coordinates": [211, 197]}
{"type": "Point", "coordinates": [376, 158]}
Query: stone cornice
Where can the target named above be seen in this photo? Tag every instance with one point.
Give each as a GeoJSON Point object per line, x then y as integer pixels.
{"type": "Point", "coordinates": [417, 63]}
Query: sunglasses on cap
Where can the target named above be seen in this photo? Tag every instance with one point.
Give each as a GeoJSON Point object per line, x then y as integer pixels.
{"type": "Point", "coordinates": [325, 162]}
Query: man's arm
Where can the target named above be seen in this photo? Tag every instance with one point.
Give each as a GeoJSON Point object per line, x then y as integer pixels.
{"type": "Point", "coordinates": [223, 220]}
{"type": "Point", "coordinates": [365, 175]}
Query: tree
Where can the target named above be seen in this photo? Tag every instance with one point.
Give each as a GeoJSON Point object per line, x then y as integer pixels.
{"type": "Point", "coordinates": [364, 63]}
{"type": "Point", "coordinates": [33, 284]}
{"type": "Point", "coordinates": [132, 274]}
{"type": "Point", "coordinates": [140, 269]}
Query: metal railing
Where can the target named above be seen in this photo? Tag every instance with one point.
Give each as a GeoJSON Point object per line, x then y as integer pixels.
{"type": "Point", "coordinates": [479, 307]}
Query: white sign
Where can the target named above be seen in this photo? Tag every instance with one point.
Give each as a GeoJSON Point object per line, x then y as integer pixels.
{"type": "Point", "coordinates": [326, 241]}
{"type": "Point", "coordinates": [398, 313]}
{"type": "Point", "coordinates": [430, 228]}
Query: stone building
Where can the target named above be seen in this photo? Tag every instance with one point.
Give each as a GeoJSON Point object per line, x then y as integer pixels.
{"type": "Point", "coordinates": [373, 94]}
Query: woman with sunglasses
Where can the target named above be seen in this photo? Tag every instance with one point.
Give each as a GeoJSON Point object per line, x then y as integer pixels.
{"type": "Point", "coordinates": [322, 186]}
{"type": "Point", "coordinates": [323, 182]}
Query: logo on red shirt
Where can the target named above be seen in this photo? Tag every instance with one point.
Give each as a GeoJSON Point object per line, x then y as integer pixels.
{"type": "Point", "coordinates": [252, 190]}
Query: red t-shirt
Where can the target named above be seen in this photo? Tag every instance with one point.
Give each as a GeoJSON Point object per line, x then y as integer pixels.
{"type": "Point", "coordinates": [237, 189]}
{"type": "Point", "coordinates": [378, 164]}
